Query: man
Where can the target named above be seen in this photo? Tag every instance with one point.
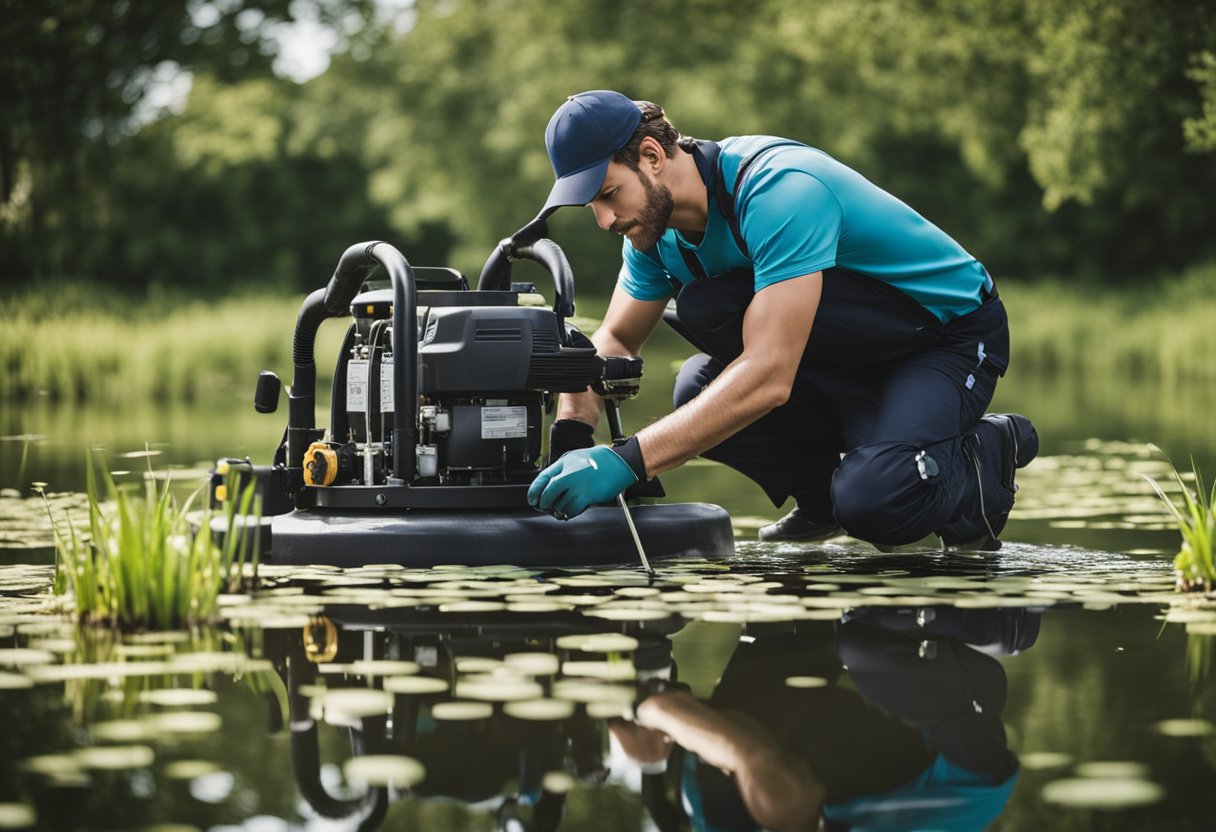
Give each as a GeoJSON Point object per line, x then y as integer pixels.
{"type": "Point", "coordinates": [849, 348]}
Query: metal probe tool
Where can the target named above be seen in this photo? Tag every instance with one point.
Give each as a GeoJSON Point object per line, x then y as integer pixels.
{"type": "Point", "coordinates": [633, 530]}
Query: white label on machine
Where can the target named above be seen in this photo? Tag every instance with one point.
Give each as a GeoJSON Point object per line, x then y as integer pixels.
{"type": "Point", "coordinates": [386, 387]}
{"type": "Point", "coordinates": [356, 386]}
{"type": "Point", "coordinates": [504, 422]}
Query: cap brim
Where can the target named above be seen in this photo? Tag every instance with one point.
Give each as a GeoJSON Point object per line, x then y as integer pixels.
{"type": "Point", "coordinates": [578, 188]}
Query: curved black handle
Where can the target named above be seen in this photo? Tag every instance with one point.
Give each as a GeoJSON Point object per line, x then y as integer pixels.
{"type": "Point", "coordinates": [549, 254]}
{"type": "Point", "coordinates": [496, 273]}
{"type": "Point", "coordinates": [352, 269]}
{"type": "Point", "coordinates": [354, 265]}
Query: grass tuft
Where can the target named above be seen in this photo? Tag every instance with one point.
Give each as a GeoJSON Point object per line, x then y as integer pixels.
{"type": "Point", "coordinates": [143, 564]}
{"type": "Point", "coordinates": [1196, 522]}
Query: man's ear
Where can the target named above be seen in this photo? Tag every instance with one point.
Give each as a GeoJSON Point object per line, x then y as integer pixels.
{"type": "Point", "coordinates": [650, 155]}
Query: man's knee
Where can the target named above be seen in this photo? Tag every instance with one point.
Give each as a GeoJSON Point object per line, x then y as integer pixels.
{"type": "Point", "coordinates": [888, 493]}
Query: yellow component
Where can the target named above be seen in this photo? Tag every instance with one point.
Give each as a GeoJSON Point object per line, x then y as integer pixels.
{"type": "Point", "coordinates": [222, 467]}
{"type": "Point", "coordinates": [320, 640]}
{"type": "Point", "coordinates": [221, 492]}
{"type": "Point", "coordinates": [320, 464]}
{"type": "Point", "coordinates": [371, 307]}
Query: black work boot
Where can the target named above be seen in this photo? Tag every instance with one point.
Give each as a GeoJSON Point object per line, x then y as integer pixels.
{"type": "Point", "coordinates": [999, 445]}
{"type": "Point", "coordinates": [799, 526]}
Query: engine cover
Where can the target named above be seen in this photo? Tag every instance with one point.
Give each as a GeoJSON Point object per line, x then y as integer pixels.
{"type": "Point", "coordinates": [500, 349]}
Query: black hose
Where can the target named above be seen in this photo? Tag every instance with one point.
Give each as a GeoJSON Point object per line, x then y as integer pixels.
{"type": "Point", "coordinates": [303, 345]}
{"type": "Point", "coordinates": [301, 399]}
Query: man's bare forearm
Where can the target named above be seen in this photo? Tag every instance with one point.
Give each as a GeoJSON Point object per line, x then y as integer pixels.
{"type": "Point", "coordinates": [776, 327]}
{"type": "Point", "coordinates": [739, 396]}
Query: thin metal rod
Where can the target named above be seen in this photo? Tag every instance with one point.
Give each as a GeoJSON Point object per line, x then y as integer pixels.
{"type": "Point", "coordinates": [633, 530]}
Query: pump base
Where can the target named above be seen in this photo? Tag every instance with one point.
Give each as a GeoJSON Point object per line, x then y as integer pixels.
{"type": "Point", "coordinates": [522, 537]}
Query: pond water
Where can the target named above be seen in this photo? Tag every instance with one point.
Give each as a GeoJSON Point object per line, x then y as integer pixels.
{"type": "Point", "coordinates": [1060, 683]}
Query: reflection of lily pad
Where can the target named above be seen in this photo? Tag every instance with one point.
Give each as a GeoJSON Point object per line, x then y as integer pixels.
{"type": "Point", "coordinates": [383, 770]}
{"type": "Point", "coordinates": [624, 613]}
{"type": "Point", "coordinates": [1183, 727]}
{"type": "Point", "coordinates": [557, 782]}
{"type": "Point", "coordinates": [608, 710]}
{"type": "Point", "coordinates": [17, 816]}
{"type": "Point", "coordinates": [497, 688]}
{"type": "Point", "coordinates": [1113, 770]}
{"type": "Point", "coordinates": [116, 758]}
{"type": "Point", "coordinates": [186, 722]}
{"type": "Point", "coordinates": [24, 657]}
{"type": "Point", "coordinates": [414, 685]}
{"type": "Point", "coordinates": [356, 702]}
{"type": "Point", "coordinates": [460, 711]}
{"type": "Point", "coordinates": [610, 671]}
{"type": "Point", "coordinates": [538, 606]}
{"type": "Point", "coordinates": [372, 667]}
{"type": "Point", "coordinates": [806, 681]}
{"type": "Point", "coordinates": [532, 664]}
{"type": "Point", "coordinates": [52, 764]}
{"type": "Point", "coordinates": [121, 730]}
{"type": "Point", "coordinates": [473, 606]}
{"type": "Point", "coordinates": [540, 709]}
{"type": "Point", "coordinates": [189, 769]}
{"type": "Point", "coordinates": [580, 691]}
{"type": "Point", "coordinates": [14, 681]}
{"type": "Point", "coordinates": [179, 697]}
{"type": "Point", "coordinates": [1103, 793]}
{"type": "Point", "coordinates": [1044, 759]}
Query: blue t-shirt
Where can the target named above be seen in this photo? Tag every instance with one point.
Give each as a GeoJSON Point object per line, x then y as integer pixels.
{"type": "Point", "coordinates": [800, 211]}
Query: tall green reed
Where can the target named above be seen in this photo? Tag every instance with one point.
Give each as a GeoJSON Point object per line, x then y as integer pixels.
{"type": "Point", "coordinates": [148, 561]}
{"type": "Point", "coordinates": [1196, 522]}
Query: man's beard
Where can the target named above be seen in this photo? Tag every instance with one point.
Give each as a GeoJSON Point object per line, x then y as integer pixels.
{"type": "Point", "coordinates": [652, 222]}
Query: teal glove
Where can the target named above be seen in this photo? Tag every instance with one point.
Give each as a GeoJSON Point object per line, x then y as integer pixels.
{"type": "Point", "coordinates": [579, 479]}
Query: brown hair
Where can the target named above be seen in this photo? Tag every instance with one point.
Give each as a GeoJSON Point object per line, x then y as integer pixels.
{"type": "Point", "coordinates": [655, 125]}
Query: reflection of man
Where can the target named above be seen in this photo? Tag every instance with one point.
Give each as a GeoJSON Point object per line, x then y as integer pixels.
{"type": "Point", "coordinates": [917, 744]}
{"type": "Point", "coordinates": [832, 318]}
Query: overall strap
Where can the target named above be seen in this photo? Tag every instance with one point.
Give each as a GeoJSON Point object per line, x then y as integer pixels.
{"type": "Point", "coordinates": [705, 154]}
{"type": "Point", "coordinates": [708, 157]}
{"type": "Point", "coordinates": [725, 199]}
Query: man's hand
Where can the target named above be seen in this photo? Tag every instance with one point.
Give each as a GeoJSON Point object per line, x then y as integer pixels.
{"type": "Point", "coordinates": [580, 479]}
{"type": "Point", "coordinates": [567, 435]}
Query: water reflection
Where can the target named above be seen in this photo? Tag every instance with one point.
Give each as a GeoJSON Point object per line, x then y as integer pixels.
{"type": "Point", "coordinates": [890, 720]}
{"type": "Point", "coordinates": [771, 692]}
{"type": "Point", "coordinates": [886, 719]}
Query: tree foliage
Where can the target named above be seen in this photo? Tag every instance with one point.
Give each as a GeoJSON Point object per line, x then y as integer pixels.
{"type": "Point", "coordinates": [1062, 136]}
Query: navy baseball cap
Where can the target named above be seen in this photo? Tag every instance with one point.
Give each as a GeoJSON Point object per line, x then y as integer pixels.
{"type": "Point", "coordinates": [581, 138]}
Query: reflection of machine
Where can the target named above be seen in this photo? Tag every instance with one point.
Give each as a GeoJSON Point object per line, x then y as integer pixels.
{"type": "Point", "coordinates": [436, 425]}
{"type": "Point", "coordinates": [505, 776]}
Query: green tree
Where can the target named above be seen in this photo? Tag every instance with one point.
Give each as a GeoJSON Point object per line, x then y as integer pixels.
{"type": "Point", "coordinates": [73, 75]}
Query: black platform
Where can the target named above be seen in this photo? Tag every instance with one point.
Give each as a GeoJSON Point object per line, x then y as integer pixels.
{"type": "Point", "coordinates": [521, 537]}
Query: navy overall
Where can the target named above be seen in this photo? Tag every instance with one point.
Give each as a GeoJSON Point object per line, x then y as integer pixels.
{"type": "Point", "coordinates": [883, 383]}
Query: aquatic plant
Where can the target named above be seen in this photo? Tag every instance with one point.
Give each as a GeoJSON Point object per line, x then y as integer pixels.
{"type": "Point", "coordinates": [148, 561]}
{"type": "Point", "coordinates": [1196, 522]}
